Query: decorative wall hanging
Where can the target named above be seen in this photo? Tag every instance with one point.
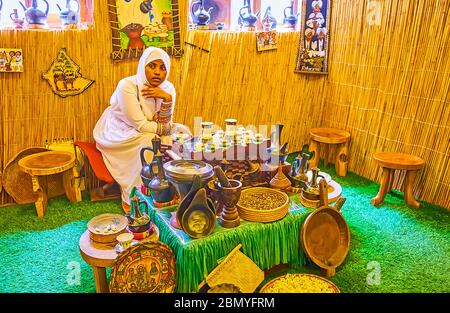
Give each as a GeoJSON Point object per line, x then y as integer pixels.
{"type": "Point", "coordinates": [138, 24]}
{"type": "Point", "coordinates": [11, 60]}
{"type": "Point", "coordinates": [313, 46]}
{"type": "Point", "coordinates": [64, 76]}
{"type": "Point", "coordinates": [266, 40]}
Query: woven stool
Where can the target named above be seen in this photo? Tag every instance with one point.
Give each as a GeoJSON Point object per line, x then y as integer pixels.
{"type": "Point", "coordinates": [391, 161]}
{"type": "Point", "coordinates": [329, 136]}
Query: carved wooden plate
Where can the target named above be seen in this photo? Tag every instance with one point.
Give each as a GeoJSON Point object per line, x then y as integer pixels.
{"type": "Point", "coordinates": [145, 268]}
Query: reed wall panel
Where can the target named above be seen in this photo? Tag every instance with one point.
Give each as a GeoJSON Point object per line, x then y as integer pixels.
{"type": "Point", "coordinates": [388, 85]}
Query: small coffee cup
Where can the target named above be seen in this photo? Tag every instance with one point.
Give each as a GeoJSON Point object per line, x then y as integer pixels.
{"type": "Point", "coordinates": [125, 240]}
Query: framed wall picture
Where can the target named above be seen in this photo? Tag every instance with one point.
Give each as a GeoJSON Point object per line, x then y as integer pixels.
{"type": "Point", "coordinates": [11, 60]}
{"type": "Point", "coordinates": [313, 45]}
{"type": "Point", "coordinates": [266, 40]}
{"type": "Point", "coordinates": [139, 24]}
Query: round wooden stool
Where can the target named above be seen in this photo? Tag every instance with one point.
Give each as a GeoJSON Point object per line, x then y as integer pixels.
{"type": "Point", "coordinates": [39, 165]}
{"type": "Point", "coordinates": [391, 161]}
{"type": "Point", "coordinates": [330, 136]}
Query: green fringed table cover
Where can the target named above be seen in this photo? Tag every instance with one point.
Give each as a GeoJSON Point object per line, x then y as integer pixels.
{"type": "Point", "coordinates": [267, 244]}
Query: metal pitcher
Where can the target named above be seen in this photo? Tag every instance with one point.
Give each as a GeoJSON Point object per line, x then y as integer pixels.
{"type": "Point", "coordinates": [248, 19]}
{"type": "Point", "coordinates": [200, 16]}
{"type": "Point", "coordinates": [69, 16]}
{"type": "Point", "coordinates": [292, 19]}
{"type": "Point", "coordinates": [35, 16]}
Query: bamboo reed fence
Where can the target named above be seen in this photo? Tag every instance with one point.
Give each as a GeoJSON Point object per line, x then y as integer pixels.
{"type": "Point", "coordinates": [388, 85]}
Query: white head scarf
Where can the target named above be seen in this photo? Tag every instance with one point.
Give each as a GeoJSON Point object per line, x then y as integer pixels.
{"type": "Point", "coordinates": [149, 55]}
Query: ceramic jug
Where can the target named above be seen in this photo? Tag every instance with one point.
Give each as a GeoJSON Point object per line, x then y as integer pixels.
{"type": "Point", "coordinates": [200, 16]}
{"type": "Point", "coordinates": [292, 19]}
{"type": "Point", "coordinates": [269, 19]}
{"type": "Point", "coordinates": [69, 16]}
{"type": "Point", "coordinates": [35, 16]}
{"type": "Point", "coordinates": [160, 188]}
{"type": "Point", "coordinates": [248, 19]}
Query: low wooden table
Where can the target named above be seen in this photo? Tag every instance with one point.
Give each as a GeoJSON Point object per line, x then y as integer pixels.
{"type": "Point", "coordinates": [391, 161]}
{"type": "Point", "coordinates": [100, 256]}
{"type": "Point", "coordinates": [329, 136]}
{"type": "Point", "coordinates": [42, 164]}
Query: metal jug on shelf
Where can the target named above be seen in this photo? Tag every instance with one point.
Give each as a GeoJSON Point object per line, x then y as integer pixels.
{"type": "Point", "coordinates": [200, 16]}
{"type": "Point", "coordinates": [69, 16]}
{"type": "Point", "coordinates": [33, 15]}
{"type": "Point", "coordinates": [18, 22]}
{"type": "Point", "coordinates": [292, 19]}
{"type": "Point", "coordinates": [269, 21]}
{"type": "Point", "coordinates": [248, 19]}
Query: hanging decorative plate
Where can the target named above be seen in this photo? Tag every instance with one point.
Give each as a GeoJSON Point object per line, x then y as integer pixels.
{"type": "Point", "coordinates": [145, 268]}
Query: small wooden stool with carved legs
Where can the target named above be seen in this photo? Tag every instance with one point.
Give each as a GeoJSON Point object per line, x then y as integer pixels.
{"type": "Point", "coordinates": [391, 161]}
{"type": "Point", "coordinates": [40, 165]}
{"type": "Point", "coordinates": [329, 136]}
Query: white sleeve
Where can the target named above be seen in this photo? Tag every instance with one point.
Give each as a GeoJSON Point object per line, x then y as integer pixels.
{"type": "Point", "coordinates": [131, 108]}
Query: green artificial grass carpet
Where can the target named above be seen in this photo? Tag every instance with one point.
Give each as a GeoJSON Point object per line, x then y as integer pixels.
{"type": "Point", "coordinates": [393, 248]}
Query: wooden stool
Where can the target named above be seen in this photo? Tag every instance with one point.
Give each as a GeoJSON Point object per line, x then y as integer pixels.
{"type": "Point", "coordinates": [391, 161]}
{"type": "Point", "coordinates": [330, 136]}
{"type": "Point", "coordinates": [39, 165]}
{"type": "Point", "coordinates": [102, 255]}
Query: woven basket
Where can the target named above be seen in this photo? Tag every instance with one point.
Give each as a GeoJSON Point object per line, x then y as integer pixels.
{"type": "Point", "coordinates": [263, 216]}
{"type": "Point", "coordinates": [332, 288]}
{"type": "Point", "coordinates": [97, 224]}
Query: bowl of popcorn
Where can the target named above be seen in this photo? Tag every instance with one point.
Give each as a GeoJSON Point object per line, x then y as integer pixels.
{"type": "Point", "coordinates": [299, 283]}
{"type": "Point", "coordinates": [106, 227]}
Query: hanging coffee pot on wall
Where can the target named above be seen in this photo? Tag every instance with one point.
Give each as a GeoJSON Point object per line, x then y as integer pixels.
{"type": "Point", "coordinates": [33, 15]}
{"type": "Point", "coordinates": [248, 19]}
{"type": "Point", "coordinates": [69, 16]}
{"type": "Point", "coordinates": [292, 19]}
{"type": "Point", "coordinates": [161, 189]}
{"type": "Point", "coordinates": [200, 16]}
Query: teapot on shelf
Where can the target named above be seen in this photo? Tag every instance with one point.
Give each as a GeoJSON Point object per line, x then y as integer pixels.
{"type": "Point", "coordinates": [69, 16]}
{"type": "Point", "coordinates": [200, 16]}
{"type": "Point", "coordinates": [248, 19]}
{"type": "Point", "coordinates": [292, 19]}
{"type": "Point", "coordinates": [34, 16]}
{"type": "Point", "coordinates": [269, 21]}
{"type": "Point", "coordinates": [160, 188]}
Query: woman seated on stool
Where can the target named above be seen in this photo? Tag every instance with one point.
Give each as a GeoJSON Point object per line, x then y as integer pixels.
{"type": "Point", "coordinates": [140, 108]}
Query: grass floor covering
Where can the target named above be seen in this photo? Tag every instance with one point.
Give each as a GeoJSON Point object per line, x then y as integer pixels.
{"type": "Point", "coordinates": [394, 248]}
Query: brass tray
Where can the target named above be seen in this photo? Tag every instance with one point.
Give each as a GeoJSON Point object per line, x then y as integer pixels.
{"type": "Point", "coordinates": [299, 283]}
{"type": "Point", "coordinates": [104, 228]}
{"type": "Point", "coordinates": [252, 214]}
{"type": "Point", "coordinates": [145, 268]}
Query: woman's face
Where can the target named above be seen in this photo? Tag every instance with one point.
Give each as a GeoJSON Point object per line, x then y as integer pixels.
{"type": "Point", "coordinates": [155, 72]}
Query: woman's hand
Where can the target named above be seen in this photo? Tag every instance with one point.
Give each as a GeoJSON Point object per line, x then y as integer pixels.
{"type": "Point", "coordinates": [156, 92]}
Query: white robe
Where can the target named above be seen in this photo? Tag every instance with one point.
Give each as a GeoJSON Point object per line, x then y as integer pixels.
{"type": "Point", "coordinates": [127, 125]}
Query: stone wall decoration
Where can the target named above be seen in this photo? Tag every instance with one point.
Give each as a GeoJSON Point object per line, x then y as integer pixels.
{"type": "Point", "coordinates": [313, 46]}
{"type": "Point", "coordinates": [64, 76]}
{"type": "Point", "coordinates": [139, 24]}
{"type": "Point", "coordinates": [11, 60]}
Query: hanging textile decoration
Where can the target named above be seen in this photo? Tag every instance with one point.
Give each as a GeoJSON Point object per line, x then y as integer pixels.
{"type": "Point", "coordinates": [64, 76]}
{"type": "Point", "coordinates": [313, 46]}
{"type": "Point", "coordinates": [139, 24]}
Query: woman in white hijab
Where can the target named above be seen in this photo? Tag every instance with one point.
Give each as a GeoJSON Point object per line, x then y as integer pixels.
{"type": "Point", "coordinates": [140, 108]}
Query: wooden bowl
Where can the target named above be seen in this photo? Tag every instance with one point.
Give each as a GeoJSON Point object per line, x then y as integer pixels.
{"type": "Point", "coordinates": [253, 214]}
{"type": "Point", "coordinates": [98, 227]}
{"type": "Point", "coordinates": [325, 238]}
{"type": "Point", "coordinates": [299, 283]}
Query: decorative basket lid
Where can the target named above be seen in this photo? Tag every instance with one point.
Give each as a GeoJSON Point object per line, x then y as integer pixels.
{"type": "Point", "coordinates": [145, 268]}
{"type": "Point", "coordinates": [186, 169]}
